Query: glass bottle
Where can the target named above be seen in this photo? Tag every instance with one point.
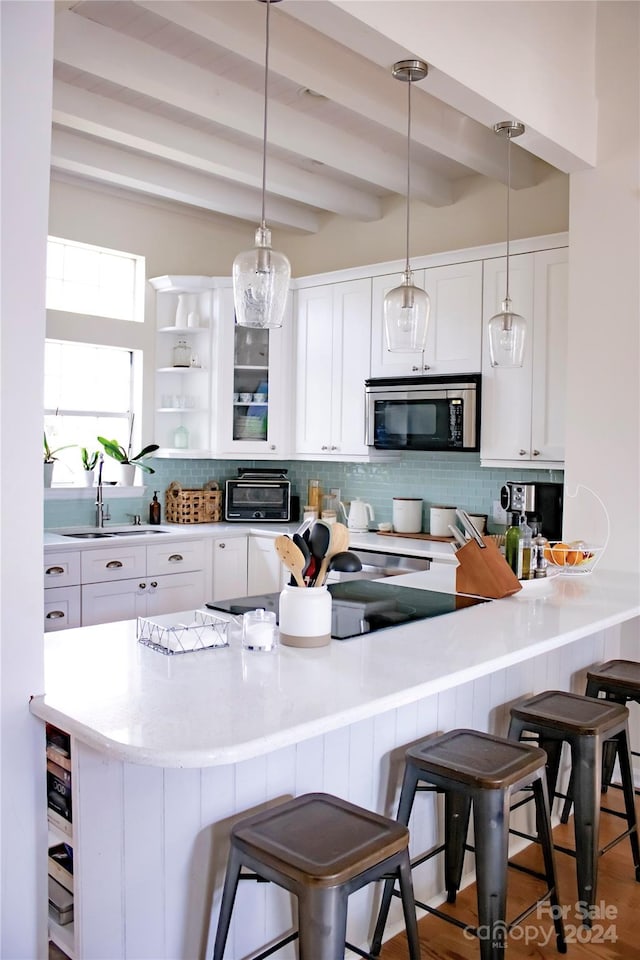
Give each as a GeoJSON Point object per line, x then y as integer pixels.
{"type": "Point", "coordinates": [526, 548]}
{"type": "Point", "coordinates": [182, 354]}
{"type": "Point", "coordinates": [512, 552]}
{"type": "Point", "coordinates": [181, 438]}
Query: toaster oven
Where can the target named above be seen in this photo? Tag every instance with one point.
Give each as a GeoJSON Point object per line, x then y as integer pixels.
{"type": "Point", "coordinates": [258, 496]}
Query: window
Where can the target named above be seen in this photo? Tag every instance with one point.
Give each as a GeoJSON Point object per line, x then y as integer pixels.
{"type": "Point", "coordinates": [103, 283]}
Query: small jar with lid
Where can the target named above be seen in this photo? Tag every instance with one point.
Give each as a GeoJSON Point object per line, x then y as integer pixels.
{"type": "Point", "coordinates": [182, 354]}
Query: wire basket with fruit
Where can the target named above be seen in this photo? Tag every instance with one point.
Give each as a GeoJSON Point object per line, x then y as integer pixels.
{"type": "Point", "coordinates": [574, 558]}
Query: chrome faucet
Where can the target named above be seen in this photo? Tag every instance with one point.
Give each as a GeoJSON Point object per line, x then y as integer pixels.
{"type": "Point", "coordinates": [102, 509]}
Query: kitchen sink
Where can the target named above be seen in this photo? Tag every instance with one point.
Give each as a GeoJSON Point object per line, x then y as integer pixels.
{"type": "Point", "coordinates": [104, 535]}
{"type": "Point", "coordinates": [133, 533]}
{"type": "Point", "coordinates": [87, 536]}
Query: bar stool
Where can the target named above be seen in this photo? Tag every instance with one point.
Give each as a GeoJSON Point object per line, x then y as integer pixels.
{"type": "Point", "coordinates": [473, 768]}
{"type": "Point", "coordinates": [321, 849]}
{"type": "Point", "coordinates": [586, 724]}
{"type": "Point", "coordinates": [618, 680]}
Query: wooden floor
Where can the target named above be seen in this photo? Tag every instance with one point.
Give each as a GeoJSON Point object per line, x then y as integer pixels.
{"type": "Point", "coordinates": [615, 937]}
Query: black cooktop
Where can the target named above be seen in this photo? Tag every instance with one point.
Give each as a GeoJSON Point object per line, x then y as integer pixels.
{"type": "Point", "coordinates": [363, 606]}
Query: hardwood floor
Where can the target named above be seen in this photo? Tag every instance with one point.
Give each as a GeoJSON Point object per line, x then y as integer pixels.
{"type": "Point", "coordinates": [614, 937]}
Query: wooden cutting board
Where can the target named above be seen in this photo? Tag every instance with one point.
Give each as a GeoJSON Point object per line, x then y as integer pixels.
{"type": "Point", "coordinates": [414, 536]}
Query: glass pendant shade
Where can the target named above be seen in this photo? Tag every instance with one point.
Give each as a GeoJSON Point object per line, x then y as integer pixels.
{"type": "Point", "coordinates": [260, 284]}
{"type": "Point", "coordinates": [406, 317]}
{"type": "Point", "coordinates": [507, 332]}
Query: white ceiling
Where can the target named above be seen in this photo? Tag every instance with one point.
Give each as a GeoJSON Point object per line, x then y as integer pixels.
{"type": "Point", "coordinates": [165, 98]}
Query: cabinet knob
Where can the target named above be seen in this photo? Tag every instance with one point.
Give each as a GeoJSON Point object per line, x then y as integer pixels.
{"type": "Point", "coordinates": [142, 586]}
{"type": "Point", "coordinates": [536, 453]}
{"type": "Point", "coordinates": [175, 558]}
{"type": "Point", "coordinates": [154, 583]}
{"type": "Point", "coordinates": [523, 453]}
{"type": "Point", "coordinates": [221, 546]}
{"type": "Point", "coordinates": [272, 446]}
{"type": "Point", "coordinates": [54, 571]}
{"type": "Point", "coordinates": [416, 369]}
{"type": "Point", "coordinates": [55, 614]}
{"type": "Point", "coordinates": [114, 564]}
{"type": "Point", "coordinates": [333, 447]}
{"type": "Point", "coordinates": [324, 447]}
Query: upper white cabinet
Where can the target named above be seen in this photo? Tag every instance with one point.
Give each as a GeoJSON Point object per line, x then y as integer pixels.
{"type": "Point", "coordinates": [454, 333]}
{"type": "Point", "coordinates": [523, 409]}
{"type": "Point", "coordinates": [251, 384]}
{"type": "Point", "coordinates": [184, 316]}
{"type": "Point", "coordinates": [333, 341]}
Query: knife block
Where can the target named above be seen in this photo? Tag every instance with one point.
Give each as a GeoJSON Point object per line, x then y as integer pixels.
{"type": "Point", "coordinates": [484, 572]}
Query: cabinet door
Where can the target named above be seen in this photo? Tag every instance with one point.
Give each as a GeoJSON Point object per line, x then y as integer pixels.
{"type": "Point", "coordinates": [550, 316]}
{"type": "Point", "coordinates": [454, 335]}
{"type": "Point", "coordinates": [113, 563]}
{"type": "Point", "coordinates": [383, 363]}
{"type": "Point", "coordinates": [229, 567]}
{"type": "Point", "coordinates": [61, 608]}
{"type": "Point", "coordinates": [264, 570]}
{"type": "Point", "coordinates": [332, 363]}
{"type": "Point", "coordinates": [173, 592]}
{"type": "Point", "coordinates": [507, 393]}
{"type": "Point", "coordinates": [114, 600]}
{"type": "Point", "coordinates": [175, 556]}
{"type": "Point", "coordinates": [61, 569]}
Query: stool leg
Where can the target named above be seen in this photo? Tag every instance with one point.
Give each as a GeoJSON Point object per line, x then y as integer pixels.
{"type": "Point", "coordinates": [457, 809]}
{"type": "Point", "coordinates": [407, 795]}
{"type": "Point", "coordinates": [624, 757]}
{"type": "Point", "coordinates": [322, 923]}
{"type": "Point", "coordinates": [409, 907]}
{"type": "Point", "coordinates": [491, 824]}
{"type": "Point", "coordinates": [226, 906]}
{"type": "Point", "coordinates": [543, 820]}
{"type": "Point", "coordinates": [566, 809]}
{"type": "Point", "coordinates": [587, 770]}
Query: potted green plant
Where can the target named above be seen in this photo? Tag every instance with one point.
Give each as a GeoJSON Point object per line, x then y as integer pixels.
{"type": "Point", "coordinates": [89, 461]}
{"type": "Point", "coordinates": [50, 459]}
{"type": "Point", "coordinates": [128, 463]}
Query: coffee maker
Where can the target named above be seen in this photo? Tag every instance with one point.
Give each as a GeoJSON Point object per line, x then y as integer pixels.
{"type": "Point", "coordinates": [538, 499]}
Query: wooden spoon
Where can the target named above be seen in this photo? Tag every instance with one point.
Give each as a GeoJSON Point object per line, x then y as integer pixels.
{"type": "Point", "coordinates": [292, 557]}
{"type": "Point", "coordinates": [338, 544]}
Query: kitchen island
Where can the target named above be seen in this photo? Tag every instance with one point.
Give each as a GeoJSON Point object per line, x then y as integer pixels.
{"type": "Point", "coordinates": [168, 750]}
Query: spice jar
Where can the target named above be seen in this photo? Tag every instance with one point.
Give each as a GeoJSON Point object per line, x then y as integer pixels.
{"type": "Point", "coordinates": [182, 354]}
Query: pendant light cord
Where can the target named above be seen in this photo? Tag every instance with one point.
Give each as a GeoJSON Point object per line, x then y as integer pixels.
{"type": "Point", "coordinates": [408, 168]}
{"type": "Point", "coordinates": [264, 128]}
{"type": "Point", "coordinates": [508, 204]}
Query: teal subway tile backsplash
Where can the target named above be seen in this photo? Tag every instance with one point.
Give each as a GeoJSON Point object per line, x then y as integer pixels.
{"type": "Point", "coordinates": [447, 479]}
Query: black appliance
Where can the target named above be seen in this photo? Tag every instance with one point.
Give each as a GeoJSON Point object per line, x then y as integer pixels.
{"type": "Point", "coordinates": [424, 413]}
{"type": "Point", "coordinates": [261, 495]}
{"type": "Point", "coordinates": [364, 606]}
{"type": "Point", "coordinates": [539, 499]}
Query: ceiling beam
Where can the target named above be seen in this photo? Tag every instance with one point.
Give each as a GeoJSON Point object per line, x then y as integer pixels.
{"type": "Point", "coordinates": [133, 171]}
{"type": "Point", "coordinates": [104, 53]}
{"type": "Point", "coordinates": [88, 113]}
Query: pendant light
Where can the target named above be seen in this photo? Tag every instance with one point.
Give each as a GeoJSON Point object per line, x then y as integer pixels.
{"type": "Point", "coordinates": [406, 308]}
{"type": "Point", "coordinates": [507, 330]}
{"type": "Point", "coordinates": [261, 276]}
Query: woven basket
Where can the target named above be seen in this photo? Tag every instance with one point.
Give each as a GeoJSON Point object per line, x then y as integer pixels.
{"type": "Point", "coordinates": [193, 506]}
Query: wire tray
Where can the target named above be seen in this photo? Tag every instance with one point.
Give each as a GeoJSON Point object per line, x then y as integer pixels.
{"type": "Point", "coordinates": [180, 633]}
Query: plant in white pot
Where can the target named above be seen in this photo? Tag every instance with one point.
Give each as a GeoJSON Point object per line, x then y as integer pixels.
{"type": "Point", "coordinates": [89, 462]}
{"type": "Point", "coordinates": [128, 463]}
{"type": "Point", "coordinates": [50, 459]}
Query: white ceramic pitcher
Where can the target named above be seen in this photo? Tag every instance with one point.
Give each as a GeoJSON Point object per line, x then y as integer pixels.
{"type": "Point", "coordinates": [359, 514]}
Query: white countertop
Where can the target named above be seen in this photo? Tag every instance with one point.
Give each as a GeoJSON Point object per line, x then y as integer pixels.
{"type": "Point", "coordinates": [221, 706]}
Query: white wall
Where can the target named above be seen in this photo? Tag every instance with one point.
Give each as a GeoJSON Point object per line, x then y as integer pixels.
{"type": "Point", "coordinates": [27, 45]}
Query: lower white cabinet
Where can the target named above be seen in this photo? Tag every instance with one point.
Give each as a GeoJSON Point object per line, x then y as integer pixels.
{"type": "Point", "coordinates": [61, 608]}
{"type": "Point", "coordinates": [265, 572]}
{"type": "Point", "coordinates": [114, 600]}
{"type": "Point", "coordinates": [229, 567]}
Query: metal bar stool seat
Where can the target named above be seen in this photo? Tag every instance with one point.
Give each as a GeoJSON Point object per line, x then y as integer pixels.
{"type": "Point", "coordinates": [478, 770]}
{"type": "Point", "coordinates": [585, 724]}
{"type": "Point", "coordinates": [321, 849]}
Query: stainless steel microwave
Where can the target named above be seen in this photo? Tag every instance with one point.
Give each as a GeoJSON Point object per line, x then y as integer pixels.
{"type": "Point", "coordinates": [439, 413]}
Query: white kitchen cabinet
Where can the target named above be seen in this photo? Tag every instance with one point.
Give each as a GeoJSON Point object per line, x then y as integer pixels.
{"type": "Point", "coordinates": [229, 567]}
{"type": "Point", "coordinates": [109, 601]}
{"type": "Point", "coordinates": [523, 408]}
{"type": "Point", "coordinates": [184, 312]}
{"type": "Point", "coordinates": [454, 335]}
{"type": "Point", "coordinates": [61, 608]}
{"type": "Point", "coordinates": [333, 339]}
{"type": "Point", "coordinates": [265, 572]}
{"type": "Point", "coordinates": [117, 562]}
{"type": "Point", "coordinates": [251, 384]}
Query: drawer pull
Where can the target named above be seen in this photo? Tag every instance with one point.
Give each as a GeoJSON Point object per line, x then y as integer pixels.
{"type": "Point", "coordinates": [142, 586]}
{"type": "Point", "coordinates": [154, 583]}
{"type": "Point", "coordinates": [114, 564]}
{"type": "Point", "coordinates": [55, 614]}
{"type": "Point", "coordinates": [175, 558]}
{"type": "Point", "coordinates": [54, 571]}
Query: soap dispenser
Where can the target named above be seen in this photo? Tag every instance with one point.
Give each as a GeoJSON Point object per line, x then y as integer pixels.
{"type": "Point", "coordinates": [154, 509]}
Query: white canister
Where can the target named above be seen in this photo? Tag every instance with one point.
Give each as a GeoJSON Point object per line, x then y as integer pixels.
{"type": "Point", "coordinates": [407, 514]}
{"type": "Point", "coordinates": [305, 617]}
{"type": "Point", "coordinates": [439, 520]}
